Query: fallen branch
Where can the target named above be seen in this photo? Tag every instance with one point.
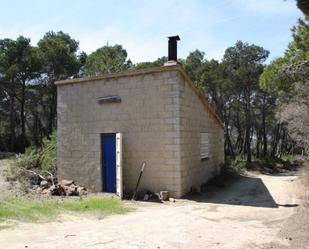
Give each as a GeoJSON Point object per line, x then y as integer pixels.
{"type": "Point", "coordinates": [69, 235]}
{"type": "Point", "coordinates": [51, 177]}
{"type": "Point", "coordinates": [33, 172]}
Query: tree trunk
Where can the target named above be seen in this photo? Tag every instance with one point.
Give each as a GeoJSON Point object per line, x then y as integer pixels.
{"type": "Point", "coordinates": [264, 127]}
{"type": "Point", "coordinates": [12, 123]}
{"type": "Point", "coordinates": [22, 115]}
{"type": "Point", "coordinates": [275, 140]}
{"type": "Point", "coordinates": [239, 145]}
{"type": "Point", "coordinates": [258, 143]}
{"type": "Point", "coordinates": [229, 144]}
{"type": "Point", "coordinates": [52, 111]}
{"type": "Point", "coordinates": [248, 127]}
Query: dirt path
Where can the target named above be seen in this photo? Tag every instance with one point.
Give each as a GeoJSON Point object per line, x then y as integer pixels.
{"type": "Point", "coordinates": [258, 211]}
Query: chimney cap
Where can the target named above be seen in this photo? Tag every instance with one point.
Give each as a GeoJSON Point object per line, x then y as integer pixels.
{"type": "Point", "coordinates": [175, 37]}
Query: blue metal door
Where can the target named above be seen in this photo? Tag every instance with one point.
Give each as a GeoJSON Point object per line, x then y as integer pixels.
{"type": "Point", "coordinates": [108, 142]}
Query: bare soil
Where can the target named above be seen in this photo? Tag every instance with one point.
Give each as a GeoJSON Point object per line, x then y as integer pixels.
{"type": "Point", "coordinates": [254, 211]}
{"type": "Point", "coordinates": [9, 184]}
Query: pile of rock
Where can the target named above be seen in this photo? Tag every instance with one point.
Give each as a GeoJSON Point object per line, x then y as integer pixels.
{"type": "Point", "coordinates": [62, 188]}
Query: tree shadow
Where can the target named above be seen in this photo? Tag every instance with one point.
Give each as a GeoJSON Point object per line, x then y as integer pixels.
{"type": "Point", "coordinates": [237, 190]}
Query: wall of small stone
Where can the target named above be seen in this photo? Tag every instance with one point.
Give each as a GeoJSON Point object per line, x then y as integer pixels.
{"type": "Point", "coordinates": [195, 119]}
{"type": "Point", "coordinates": [146, 116]}
{"type": "Point", "coordinates": [161, 118]}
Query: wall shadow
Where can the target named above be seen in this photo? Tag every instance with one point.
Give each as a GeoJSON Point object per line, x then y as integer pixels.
{"type": "Point", "coordinates": [240, 190]}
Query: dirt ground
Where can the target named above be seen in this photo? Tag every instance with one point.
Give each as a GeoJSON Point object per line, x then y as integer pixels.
{"type": "Point", "coordinates": [254, 211]}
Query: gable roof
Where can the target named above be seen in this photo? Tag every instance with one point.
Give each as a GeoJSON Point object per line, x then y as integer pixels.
{"type": "Point", "coordinates": [129, 73]}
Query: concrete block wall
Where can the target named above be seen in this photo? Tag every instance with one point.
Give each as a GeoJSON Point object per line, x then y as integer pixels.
{"type": "Point", "coordinates": [194, 120]}
{"type": "Point", "coordinates": [161, 118]}
{"type": "Point", "coordinates": [148, 117]}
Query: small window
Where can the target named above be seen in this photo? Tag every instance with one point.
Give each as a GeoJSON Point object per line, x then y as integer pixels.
{"type": "Point", "coordinates": [204, 145]}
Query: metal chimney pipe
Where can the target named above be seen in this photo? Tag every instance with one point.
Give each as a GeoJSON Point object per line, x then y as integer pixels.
{"type": "Point", "coordinates": [172, 47]}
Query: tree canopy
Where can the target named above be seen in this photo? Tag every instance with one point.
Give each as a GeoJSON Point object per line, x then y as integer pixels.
{"type": "Point", "coordinates": [107, 59]}
{"type": "Point", "coordinates": [289, 76]}
{"type": "Point", "coordinates": [28, 94]}
{"type": "Point", "coordinates": [157, 63]}
{"type": "Point", "coordinates": [265, 108]}
{"type": "Point", "coordinates": [303, 5]}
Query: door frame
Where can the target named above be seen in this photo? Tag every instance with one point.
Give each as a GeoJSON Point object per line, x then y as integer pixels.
{"type": "Point", "coordinates": [118, 162]}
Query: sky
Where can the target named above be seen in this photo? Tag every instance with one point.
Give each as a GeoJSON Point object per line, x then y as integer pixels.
{"type": "Point", "coordinates": [142, 27]}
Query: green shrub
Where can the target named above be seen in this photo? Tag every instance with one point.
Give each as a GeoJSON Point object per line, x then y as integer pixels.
{"type": "Point", "coordinates": [43, 158]}
{"type": "Point", "coordinates": [29, 159]}
{"type": "Point", "coordinates": [237, 166]}
{"type": "Point", "coordinates": [48, 153]}
{"type": "Point", "coordinates": [288, 158]}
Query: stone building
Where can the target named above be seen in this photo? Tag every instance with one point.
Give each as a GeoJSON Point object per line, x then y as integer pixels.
{"type": "Point", "coordinates": [109, 125]}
